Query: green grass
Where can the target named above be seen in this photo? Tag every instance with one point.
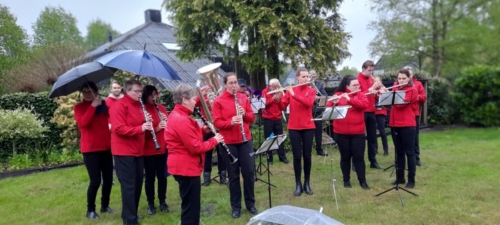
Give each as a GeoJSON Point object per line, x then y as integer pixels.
{"type": "Point", "coordinates": [458, 185]}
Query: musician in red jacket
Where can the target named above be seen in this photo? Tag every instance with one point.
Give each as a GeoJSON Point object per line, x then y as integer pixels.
{"type": "Point", "coordinates": [128, 129]}
{"type": "Point", "coordinates": [235, 128]}
{"type": "Point", "coordinates": [368, 85]}
{"type": "Point", "coordinates": [349, 132]}
{"type": "Point", "coordinates": [271, 116]}
{"type": "Point", "coordinates": [115, 93]}
{"type": "Point", "coordinates": [381, 115]}
{"type": "Point", "coordinates": [186, 152]}
{"type": "Point", "coordinates": [155, 159]}
{"type": "Point", "coordinates": [402, 123]}
{"type": "Point", "coordinates": [416, 109]}
{"type": "Point", "coordinates": [301, 127]}
{"type": "Point", "coordinates": [91, 116]}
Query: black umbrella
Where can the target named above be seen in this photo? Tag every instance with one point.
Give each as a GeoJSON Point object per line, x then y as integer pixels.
{"type": "Point", "coordinates": [72, 80]}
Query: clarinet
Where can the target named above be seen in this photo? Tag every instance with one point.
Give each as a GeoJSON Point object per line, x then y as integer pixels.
{"type": "Point", "coordinates": [210, 126]}
{"type": "Point", "coordinates": [157, 146]}
{"type": "Point", "coordinates": [238, 113]}
{"type": "Point", "coordinates": [158, 110]}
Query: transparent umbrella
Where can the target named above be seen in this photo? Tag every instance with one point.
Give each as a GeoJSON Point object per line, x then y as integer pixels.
{"type": "Point", "coordinates": [291, 215]}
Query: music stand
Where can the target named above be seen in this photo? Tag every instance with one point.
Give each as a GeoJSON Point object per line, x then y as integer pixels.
{"type": "Point", "coordinates": [258, 104]}
{"type": "Point", "coordinates": [270, 144]}
{"type": "Point", "coordinates": [389, 99]}
{"type": "Point", "coordinates": [333, 113]}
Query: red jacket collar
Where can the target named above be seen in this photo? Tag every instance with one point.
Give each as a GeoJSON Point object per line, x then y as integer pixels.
{"type": "Point", "coordinates": [227, 94]}
{"type": "Point", "coordinates": [130, 99]}
{"type": "Point", "coordinates": [182, 109]}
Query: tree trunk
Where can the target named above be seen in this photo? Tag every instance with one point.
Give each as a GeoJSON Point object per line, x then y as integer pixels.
{"type": "Point", "coordinates": [435, 39]}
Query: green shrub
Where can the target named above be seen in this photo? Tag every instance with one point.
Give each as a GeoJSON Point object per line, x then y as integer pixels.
{"type": "Point", "coordinates": [64, 118]}
{"type": "Point", "coordinates": [478, 95]}
{"type": "Point", "coordinates": [166, 98]}
{"type": "Point", "coordinates": [442, 108]}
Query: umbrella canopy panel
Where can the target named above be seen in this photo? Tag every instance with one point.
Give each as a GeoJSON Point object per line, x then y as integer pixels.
{"type": "Point", "coordinates": [291, 215]}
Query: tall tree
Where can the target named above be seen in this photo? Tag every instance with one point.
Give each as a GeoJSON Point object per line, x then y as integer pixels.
{"type": "Point", "coordinates": [349, 71]}
{"type": "Point", "coordinates": [13, 42]}
{"type": "Point", "coordinates": [55, 25]}
{"type": "Point", "coordinates": [431, 31]}
{"type": "Point", "coordinates": [99, 32]}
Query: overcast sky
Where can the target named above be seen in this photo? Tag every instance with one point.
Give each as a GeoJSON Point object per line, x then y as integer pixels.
{"type": "Point", "coordinates": [124, 15]}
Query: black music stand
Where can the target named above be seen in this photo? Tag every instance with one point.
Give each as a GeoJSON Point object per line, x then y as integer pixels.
{"type": "Point", "coordinates": [389, 99]}
{"type": "Point", "coordinates": [333, 113]}
{"type": "Point", "coordinates": [258, 104]}
{"type": "Point", "coordinates": [270, 144]}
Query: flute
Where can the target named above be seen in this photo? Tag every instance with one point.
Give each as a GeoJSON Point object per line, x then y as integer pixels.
{"type": "Point", "coordinates": [212, 128]}
{"type": "Point", "coordinates": [157, 146]}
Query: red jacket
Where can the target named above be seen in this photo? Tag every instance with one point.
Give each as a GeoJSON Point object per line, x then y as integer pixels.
{"type": "Point", "coordinates": [354, 122]}
{"type": "Point", "coordinates": [421, 96]}
{"type": "Point", "coordinates": [127, 137]}
{"type": "Point", "coordinates": [149, 145]}
{"type": "Point", "coordinates": [223, 111]}
{"type": "Point", "coordinates": [301, 105]}
{"type": "Point", "coordinates": [186, 148]}
{"type": "Point", "coordinates": [110, 101]}
{"type": "Point", "coordinates": [273, 108]}
{"type": "Point", "coordinates": [403, 115]}
{"type": "Point", "coordinates": [93, 128]}
{"type": "Point", "coordinates": [381, 111]}
{"type": "Point", "coordinates": [366, 83]}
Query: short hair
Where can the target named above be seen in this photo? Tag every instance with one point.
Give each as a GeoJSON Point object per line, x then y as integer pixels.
{"type": "Point", "coordinates": [90, 85]}
{"type": "Point", "coordinates": [407, 73]}
{"type": "Point", "coordinates": [274, 81]}
{"type": "Point", "coordinates": [114, 82]}
{"type": "Point", "coordinates": [346, 80]}
{"type": "Point", "coordinates": [148, 91]}
{"type": "Point", "coordinates": [224, 79]}
{"type": "Point", "coordinates": [367, 63]}
{"type": "Point", "coordinates": [129, 83]}
{"type": "Point", "coordinates": [300, 69]}
{"type": "Point", "coordinates": [183, 91]}
{"type": "Point", "coordinates": [311, 72]}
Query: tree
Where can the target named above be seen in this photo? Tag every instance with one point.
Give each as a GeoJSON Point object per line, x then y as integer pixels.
{"type": "Point", "coordinates": [55, 25]}
{"type": "Point", "coordinates": [436, 32]}
{"type": "Point", "coordinates": [13, 42]}
{"type": "Point", "coordinates": [303, 32]}
{"type": "Point", "coordinates": [349, 71]}
{"type": "Point", "coordinates": [98, 32]}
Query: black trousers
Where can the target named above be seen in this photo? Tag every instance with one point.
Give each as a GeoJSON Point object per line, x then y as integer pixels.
{"type": "Point", "coordinates": [371, 135]}
{"type": "Point", "coordinates": [381, 130]}
{"type": "Point", "coordinates": [417, 146]}
{"type": "Point", "coordinates": [245, 163]}
{"type": "Point", "coordinates": [221, 165]}
{"type": "Point", "coordinates": [404, 142]}
{"type": "Point", "coordinates": [318, 132]}
{"type": "Point", "coordinates": [276, 127]}
{"type": "Point", "coordinates": [99, 164]}
{"type": "Point", "coordinates": [129, 170]}
{"type": "Point", "coordinates": [301, 141]}
{"type": "Point", "coordinates": [352, 147]}
{"type": "Point", "coordinates": [190, 192]}
{"type": "Point", "coordinates": [154, 167]}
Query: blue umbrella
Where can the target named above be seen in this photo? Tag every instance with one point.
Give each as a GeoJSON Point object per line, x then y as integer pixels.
{"type": "Point", "coordinates": [139, 62]}
{"type": "Point", "coordinates": [73, 79]}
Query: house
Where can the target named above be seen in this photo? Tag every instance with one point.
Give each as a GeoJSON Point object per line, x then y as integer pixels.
{"type": "Point", "coordinates": [383, 65]}
{"type": "Point", "coordinates": [159, 39]}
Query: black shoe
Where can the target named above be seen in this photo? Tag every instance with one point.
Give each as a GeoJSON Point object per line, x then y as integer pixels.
{"type": "Point", "coordinates": [410, 184]}
{"type": "Point", "coordinates": [130, 222]}
{"type": "Point", "coordinates": [298, 189]}
{"type": "Point", "coordinates": [223, 179]}
{"type": "Point", "coordinates": [236, 213]}
{"type": "Point", "coordinates": [151, 210]}
{"type": "Point", "coordinates": [253, 210]}
{"type": "Point", "coordinates": [206, 179]}
{"type": "Point", "coordinates": [285, 161]}
{"type": "Point", "coordinates": [399, 181]}
{"type": "Point", "coordinates": [107, 210]}
{"type": "Point", "coordinates": [347, 184]}
{"type": "Point", "coordinates": [164, 207]}
{"type": "Point", "coordinates": [386, 153]}
{"type": "Point", "coordinates": [322, 154]}
{"type": "Point", "coordinates": [307, 188]}
{"type": "Point", "coordinates": [375, 166]}
{"type": "Point", "coordinates": [364, 186]}
{"type": "Point", "coordinates": [92, 215]}
{"type": "Point", "coordinates": [419, 163]}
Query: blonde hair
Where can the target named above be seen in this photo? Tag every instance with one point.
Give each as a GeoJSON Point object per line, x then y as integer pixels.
{"type": "Point", "coordinates": [274, 81]}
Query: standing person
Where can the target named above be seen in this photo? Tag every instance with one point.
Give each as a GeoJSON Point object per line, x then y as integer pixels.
{"type": "Point", "coordinates": [301, 128]}
{"type": "Point", "coordinates": [416, 109]}
{"type": "Point", "coordinates": [271, 116]}
{"type": "Point", "coordinates": [127, 142]}
{"type": "Point", "coordinates": [402, 123]}
{"type": "Point", "coordinates": [317, 111]}
{"type": "Point", "coordinates": [91, 117]}
{"type": "Point", "coordinates": [368, 85]}
{"type": "Point", "coordinates": [350, 131]}
{"type": "Point", "coordinates": [186, 152]}
{"type": "Point", "coordinates": [381, 115]}
{"type": "Point", "coordinates": [115, 93]}
{"type": "Point", "coordinates": [155, 159]}
{"type": "Point", "coordinates": [231, 116]}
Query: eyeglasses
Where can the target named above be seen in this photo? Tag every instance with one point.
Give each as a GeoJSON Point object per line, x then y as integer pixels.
{"type": "Point", "coordinates": [354, 85]}
{"type": "Point", "coordinates": [137, 91]}
{"type": "Point", "coordinates": [232, 83]}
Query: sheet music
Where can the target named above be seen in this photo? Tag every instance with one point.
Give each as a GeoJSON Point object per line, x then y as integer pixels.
{"type": "Point", "coordinates": [386, 98]}
{"type": "Point", "coordinates": [258, 104]}
{"type": "Point", "coordinates": [339, 112]}
{"type": "Point", "coordinates": [271, 143]}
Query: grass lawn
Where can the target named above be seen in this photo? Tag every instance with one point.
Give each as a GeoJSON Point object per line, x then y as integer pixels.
{"type": "Point", "coordinates": [457, 185]}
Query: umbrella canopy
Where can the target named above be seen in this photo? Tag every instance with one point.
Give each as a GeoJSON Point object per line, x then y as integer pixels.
{"type": "Point", "coordinates": [139, 62]}
{"type": "Point", "coordinates": [73, 79]}
{"type": "Point", "coordinates": [291, 215]}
